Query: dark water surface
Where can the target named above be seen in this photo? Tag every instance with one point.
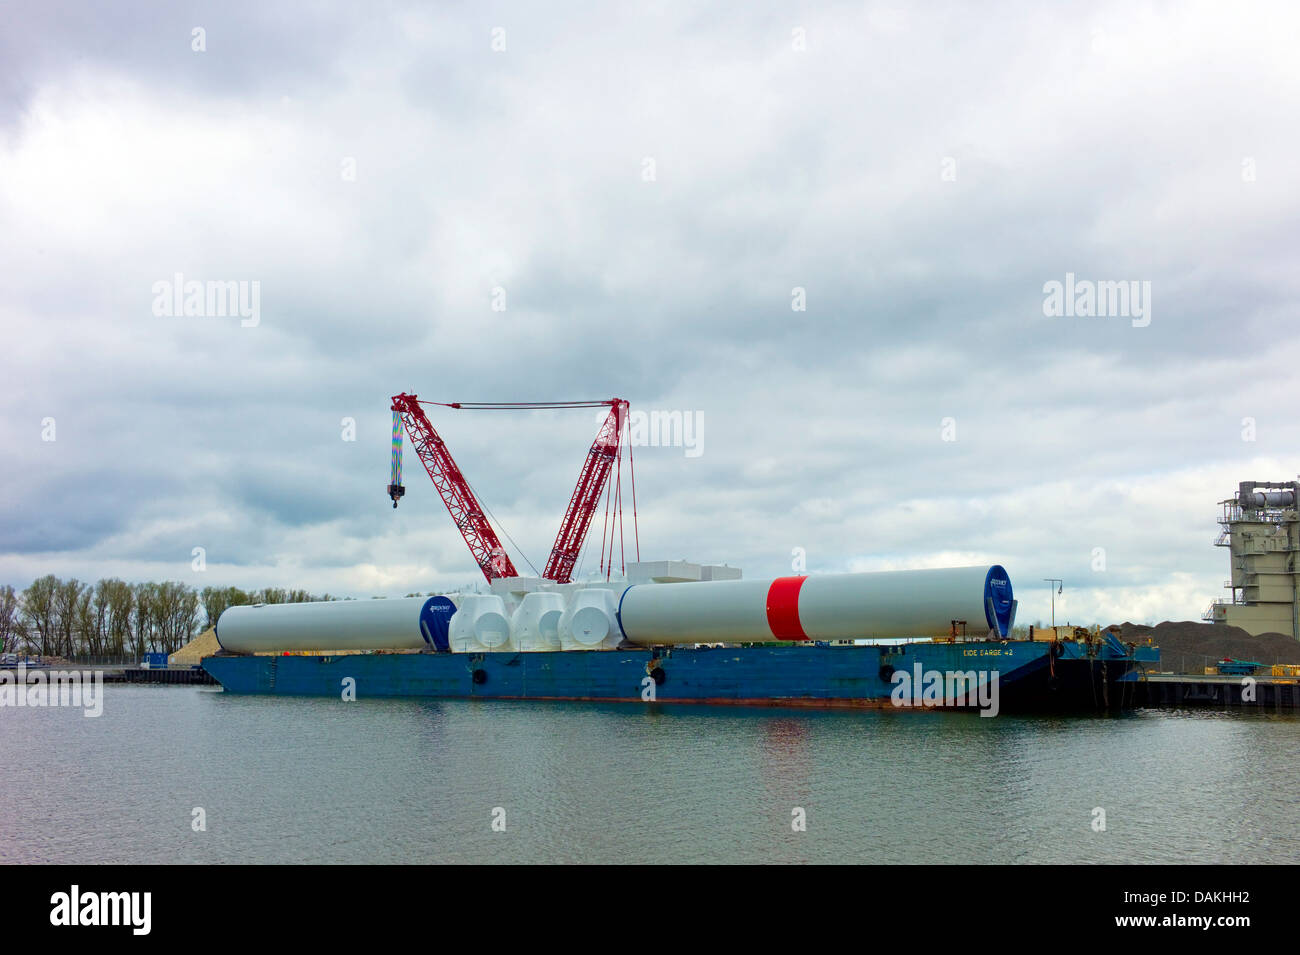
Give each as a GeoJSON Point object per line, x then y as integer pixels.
{"type": "Point", "coordinates": [308, 780]}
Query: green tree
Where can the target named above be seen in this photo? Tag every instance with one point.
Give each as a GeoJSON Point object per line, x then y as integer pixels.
{"type": "Point", "coordinates": [11, 621]}
{"type": "Point", "coordinates": [176, 613]}
{"type": "Point", "coordinates": [83, 625]}
{"type": "Point", "coordinates": [53, 616]}
{"type": "Point", "coordinates": [121, 604]}
{"type": "Point", "coordinates": [67, 601]}
{"type": "Point", "coordinates": [142, 618]}
{"type": "Point", "coordinates": [100, 612]}
{"type": "Point", "coordinates": [216, 600]}
{"type": "Point", "coordinates": [39, 614]}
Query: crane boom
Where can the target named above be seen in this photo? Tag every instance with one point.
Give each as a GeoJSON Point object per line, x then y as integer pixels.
{"type": "Point", "coordinates": [586, 496]}
{"type": "Point", "coordinates": [452, 486]}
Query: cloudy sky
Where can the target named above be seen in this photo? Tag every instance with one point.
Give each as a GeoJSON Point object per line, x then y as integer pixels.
{"type": "Point", "coordinates": [646, 189]}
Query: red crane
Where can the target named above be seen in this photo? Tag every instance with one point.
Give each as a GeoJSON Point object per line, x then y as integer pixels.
{"type": "Point", "coordinates": [592, 480]}
{"type": "Point", "coordinates": [604, 456]}
{"type": "Point", "coordinates": [451, 484]}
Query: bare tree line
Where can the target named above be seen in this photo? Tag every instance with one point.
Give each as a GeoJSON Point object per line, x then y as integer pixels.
{"type": "Point", "coordinates": [68, 618]}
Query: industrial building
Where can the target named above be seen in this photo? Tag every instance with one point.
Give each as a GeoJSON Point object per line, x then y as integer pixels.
{"type": "Point", "coordinates": [1261, 529]}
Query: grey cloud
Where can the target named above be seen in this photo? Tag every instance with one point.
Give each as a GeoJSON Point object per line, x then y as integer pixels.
{"type": "Point", "coordinates": [523, 169]}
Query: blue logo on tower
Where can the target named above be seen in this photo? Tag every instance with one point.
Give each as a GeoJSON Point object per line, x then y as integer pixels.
{"type": "Point", "coordinates": [435, 622]}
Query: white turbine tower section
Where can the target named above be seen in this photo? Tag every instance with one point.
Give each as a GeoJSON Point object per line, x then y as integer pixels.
{"type": "Point", "coordinates": [907, 603]}
{"type": "Point", "coordinates": [392, 624]}
{"type": "Point", "coordinates": [971, 601]}
{"type": "Point", "coordinates": [902, 603]}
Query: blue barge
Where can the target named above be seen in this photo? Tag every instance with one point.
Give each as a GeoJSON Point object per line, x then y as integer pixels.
{"type": "Point", "coordinates": [987, 675]}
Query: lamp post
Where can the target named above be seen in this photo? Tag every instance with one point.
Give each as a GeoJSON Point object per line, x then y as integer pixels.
{"type": "Point", "coordinates": [1060, 588]}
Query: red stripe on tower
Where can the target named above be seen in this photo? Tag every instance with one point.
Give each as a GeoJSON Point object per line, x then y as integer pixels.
{"type": "Point", "coordinates": [783, 608]}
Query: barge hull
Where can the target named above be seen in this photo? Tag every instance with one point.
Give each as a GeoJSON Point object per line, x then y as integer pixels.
{"type": "Point", "coordinates": [1029, 675]}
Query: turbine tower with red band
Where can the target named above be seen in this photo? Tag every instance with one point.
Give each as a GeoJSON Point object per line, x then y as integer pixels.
{"type": "Point", "coordinates": [885, 605]}
{"type": "Point", "coordinates": [783, 608]}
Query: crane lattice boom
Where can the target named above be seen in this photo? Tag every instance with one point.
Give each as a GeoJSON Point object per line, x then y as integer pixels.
{"type": "Point", "coordinates": [586, 496]}
{"type": "Point", "coordinates": [604, 456]}
{"type": "Point", "coordinates": [454, 489]}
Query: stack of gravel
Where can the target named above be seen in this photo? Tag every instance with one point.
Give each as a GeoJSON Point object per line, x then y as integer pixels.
{"type": "Point", "coordinates": [1189, 647]}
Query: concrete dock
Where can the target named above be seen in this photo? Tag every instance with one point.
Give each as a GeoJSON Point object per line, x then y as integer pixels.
{"type": "Point", "coordinates": [176, 676]}
{"type": "Point", "coordinates": [1205, 689]}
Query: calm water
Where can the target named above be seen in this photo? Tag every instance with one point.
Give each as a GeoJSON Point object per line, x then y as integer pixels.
{"type": "Point", "coordinates": [301, 780]}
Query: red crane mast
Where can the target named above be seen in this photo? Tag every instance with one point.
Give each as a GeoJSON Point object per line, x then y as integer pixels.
{"type": "Point", "coordinates": [464, 507]}
{"type": "Point", "coordinates": [592, 479]}
{"type": "Point", "coordinates": [603, 457]}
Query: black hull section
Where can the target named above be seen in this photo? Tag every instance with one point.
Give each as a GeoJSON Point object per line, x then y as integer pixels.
{"type": "Point", "coordinates": [1066, 685]}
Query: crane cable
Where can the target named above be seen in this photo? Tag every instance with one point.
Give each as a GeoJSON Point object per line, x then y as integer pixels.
{"type": "Point", "coordinates": [516, 405]}
{"type": "Point", "coordinates": [609, 490]}
{"type": "Point", "coordinates": [487, 510]}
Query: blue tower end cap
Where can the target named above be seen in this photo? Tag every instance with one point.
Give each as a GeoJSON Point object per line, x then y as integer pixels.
{"type": "Point", "coordinates": [999, 601]}
{"type": "Point", "coordinates": [435, 622]}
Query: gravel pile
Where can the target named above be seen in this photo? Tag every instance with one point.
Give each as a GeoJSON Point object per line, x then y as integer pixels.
{"type": "Point", "coordinates": [1189, 647]}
